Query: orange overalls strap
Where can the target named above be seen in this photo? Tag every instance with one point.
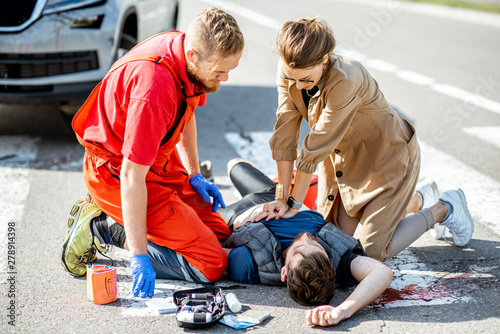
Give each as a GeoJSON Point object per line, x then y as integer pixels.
{"type": "Point", "coordinates": [79, 121]}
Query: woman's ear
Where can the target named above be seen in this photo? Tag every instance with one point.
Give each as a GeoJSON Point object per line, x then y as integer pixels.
{"type": "Point", "coordinates": [325, 59]}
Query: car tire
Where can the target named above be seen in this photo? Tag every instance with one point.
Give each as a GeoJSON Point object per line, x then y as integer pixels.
{"type": "Point", "coordinates": [127, 42]}
{"type": "Point", "coordinates": [67, 111]}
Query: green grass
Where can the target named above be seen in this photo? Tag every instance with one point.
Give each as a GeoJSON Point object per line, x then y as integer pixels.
{"type": "Point", "coordinates": [485, 7]}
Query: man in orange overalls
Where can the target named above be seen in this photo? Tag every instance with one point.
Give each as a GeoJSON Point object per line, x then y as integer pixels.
{"type": "Point", "coordinates": [142, 197]}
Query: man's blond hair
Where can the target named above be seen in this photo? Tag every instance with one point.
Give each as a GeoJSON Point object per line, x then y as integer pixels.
{"type": "Point", "coordinates": [214, 34]}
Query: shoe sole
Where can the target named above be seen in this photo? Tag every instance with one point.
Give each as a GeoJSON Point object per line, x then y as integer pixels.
{"type": "Point", "coordinates": [438, 232]}
{"type": "Point", "coordinates": [74, 215]}
{"type": "Point", "coordinates": [467, 213]}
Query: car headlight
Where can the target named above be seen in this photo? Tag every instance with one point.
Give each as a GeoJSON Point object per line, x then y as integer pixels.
{"type": "Point", "coordinates": [55, 6]}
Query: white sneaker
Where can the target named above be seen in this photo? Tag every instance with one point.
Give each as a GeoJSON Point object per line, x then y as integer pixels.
{"type": "Point", "coordinates": [438, 231]}
{"type": "Point", "coordinates": [459, 223]}
{"type": "Point", "coordinates": [429, 193]}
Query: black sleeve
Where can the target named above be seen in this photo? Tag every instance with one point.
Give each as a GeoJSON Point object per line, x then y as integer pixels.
{"type": "Point", "coordinates": [343, 275]}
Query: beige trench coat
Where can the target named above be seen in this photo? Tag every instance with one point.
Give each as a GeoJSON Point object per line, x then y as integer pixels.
{"type": "Point", "coordinates": [367, 153]}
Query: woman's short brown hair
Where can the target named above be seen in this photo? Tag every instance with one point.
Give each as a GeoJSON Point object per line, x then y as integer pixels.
{"type": "Point", "coordinates": [214, 34]}
{"type": "Point", "coordinates": [312, 280]}
{"type": "Point", "coordinates": [303, 43]}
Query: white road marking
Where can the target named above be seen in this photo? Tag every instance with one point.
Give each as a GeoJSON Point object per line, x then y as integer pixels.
{"type": "Point", "coordinates": [439, 11]}
{"type": "Point", "coordinates": [245, 12]}
{"type": "Point", "coordinates": [254, 147]}
{"type": "Point", "coordinates": [489, 134]}
{"type": "Point", "coordinates": [437, 274]}
{"type": "Point", "coordinates": [472, 99]}
{"type": "Point", "coordinates": [414, 285]}
{"type": "Point", "coordinates": [381, 65]}
{"type": "Point", "coordinates": [18, 149]}
{"type": "Point", "coordinates": [415, 77]}
{"type": "Point", "coordinates": [14, 188]}
{"type": "Point", "coordinates": [467, 97]}
{"type": "Point", "coordinates": [481, 191]}
{"type": "Point", "coordinates": [377, 64]}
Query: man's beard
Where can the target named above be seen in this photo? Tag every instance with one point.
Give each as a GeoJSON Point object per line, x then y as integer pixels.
{"type": "Point", "coordinates": [192, 73]}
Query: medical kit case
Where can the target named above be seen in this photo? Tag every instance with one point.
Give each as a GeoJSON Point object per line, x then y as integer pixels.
{"type": "Point", "coordinates": [199, 308]}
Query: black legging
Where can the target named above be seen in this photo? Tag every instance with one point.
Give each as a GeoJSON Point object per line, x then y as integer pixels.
{"type": "Point", "coordinates": [253, 185]}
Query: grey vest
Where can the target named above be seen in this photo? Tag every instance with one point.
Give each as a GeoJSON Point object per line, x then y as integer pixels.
{"type": "Point", "coordinates": [267, 253]}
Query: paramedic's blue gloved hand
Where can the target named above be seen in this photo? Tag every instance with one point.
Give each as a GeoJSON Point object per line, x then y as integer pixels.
{"type": "Point", "coordinates": [144, 276]}
{"type": "Point", "coordinates": [206, 189]}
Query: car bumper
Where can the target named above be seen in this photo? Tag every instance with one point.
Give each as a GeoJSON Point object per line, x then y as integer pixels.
{"type": "Point", "coordinates": [47, 94]}
{"type": "Point", "coordinates": [34, 65]}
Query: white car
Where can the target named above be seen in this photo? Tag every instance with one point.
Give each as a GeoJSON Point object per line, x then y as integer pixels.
{"type": "Point", "coordinates": [56, 51]}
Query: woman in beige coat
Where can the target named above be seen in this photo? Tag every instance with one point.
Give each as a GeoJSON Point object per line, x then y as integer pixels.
{"type": "Point", "coordinates": [367, 154]}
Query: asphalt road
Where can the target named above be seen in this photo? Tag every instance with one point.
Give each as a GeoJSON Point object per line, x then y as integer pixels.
{"type": "Point", "coordinates": [437, 66]}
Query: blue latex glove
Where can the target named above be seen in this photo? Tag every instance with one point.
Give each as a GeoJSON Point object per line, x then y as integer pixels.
{"type": "Point", "coordinates": [144, 275]}
{"type": "Point", "coordinates": [206, 189]}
